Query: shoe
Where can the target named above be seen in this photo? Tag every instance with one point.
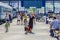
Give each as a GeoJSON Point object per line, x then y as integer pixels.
{"type": "Point", "coordinates": [31, 32]}
{"type": "Point", "coordinates": [6, 31]}
{"type": "Point", "coordinates": [26, 33]}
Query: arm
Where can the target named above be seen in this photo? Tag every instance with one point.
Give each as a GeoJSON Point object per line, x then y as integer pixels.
{"type": "Point", "coordinates": [51, 24]}
{"type": "Point", "coordinates": [34, 20]}
{"type": "Point", "coordinates": [5, 18]}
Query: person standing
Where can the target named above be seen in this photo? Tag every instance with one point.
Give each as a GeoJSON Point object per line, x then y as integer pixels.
{"type": "Point", "coordinates": [7, 18]}
{"type": "Point", "coordinates": [21, 18]}
{"type": "Point", "coordinates": [25, 19]}
{"type": "Point", "coordinates": [25, 23]}
{"type": "Point", "coordinates": [10, 18]}
{"type": "Point", "coordinates": [18, 18]}
{"type": "Point", "coordinates": [7, 22]}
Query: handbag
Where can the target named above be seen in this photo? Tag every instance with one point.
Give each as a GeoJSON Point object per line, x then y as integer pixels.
{"type": "Point", "coordinates": [27, 28]}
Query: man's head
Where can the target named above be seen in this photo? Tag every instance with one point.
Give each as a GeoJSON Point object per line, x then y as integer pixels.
{"type": "Point", "coordinates": [54, 18]}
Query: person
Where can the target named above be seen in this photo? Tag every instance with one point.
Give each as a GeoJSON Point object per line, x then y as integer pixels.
{"type": "Point", "coordinates": [21, 18]}
{"type": "Point", "coordinates": [31, 19]}
{"type": "Point", "coordinates": [54, 25]}
{"type": "Point", "coordinates": [26, 24]}
{"type": "Point", "coordinates": [34, 20]}
{"type": "Point", "coordinates": [7, 18]}
{"type": "Point", "coordinates": [10, 18]}
{"type": "Point", "coordinates": [6, 26]}
{"type": "Point", "coordinates": [7, 22]}
{"type": "Point", "coordinates": [59, 29]}
{"type": "Point", "coordinates": [25, 19]}
{"type": "Point", "coordinates": [18, 18]}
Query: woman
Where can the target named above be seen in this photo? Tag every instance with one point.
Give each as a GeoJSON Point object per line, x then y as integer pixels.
{"type": "Point", "coordinates": [21, 18]}
{"type": "Point", "coordinates": [25, 19]}
{"type": "Point", "coordinates": [31, 21]}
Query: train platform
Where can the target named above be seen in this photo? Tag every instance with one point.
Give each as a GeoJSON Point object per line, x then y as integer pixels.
{"type": "Point", "coordinates": [16, 32]}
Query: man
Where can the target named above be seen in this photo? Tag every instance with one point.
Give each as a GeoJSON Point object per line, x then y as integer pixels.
{"type": "Point", "coordinates": [54, 25]}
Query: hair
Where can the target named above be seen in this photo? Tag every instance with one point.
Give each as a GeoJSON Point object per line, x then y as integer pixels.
{"type": "Point", "coordinates": [54, 17]}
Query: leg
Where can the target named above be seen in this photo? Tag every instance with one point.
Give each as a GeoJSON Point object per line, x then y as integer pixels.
{"type": "Point", "coordinates": [6, 29]}
{"type": "Point", "coordinates": [26, 31]}
{"type": "Point", "coordinates": [17, 21]}
{"type": "Point", "coordinates": [51, 33]}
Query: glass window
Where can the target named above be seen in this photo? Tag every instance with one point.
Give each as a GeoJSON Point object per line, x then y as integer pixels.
{"type": "Point", "coordinates": [57, 6]}
{"type": "Point", "coordinates": [15, 5]}
{"type": "Point", "coordinates": [6, 10]}
{"type": "Point", "coordinates": [7, 2]}
{"type": "Point", "coordinates": [49, 6]}
{"type": "Point", "coordinates": [0, 8]}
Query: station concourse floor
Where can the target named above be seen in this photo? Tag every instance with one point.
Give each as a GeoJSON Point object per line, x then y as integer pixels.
{"type": "Point", "coordinates": [16, 32]}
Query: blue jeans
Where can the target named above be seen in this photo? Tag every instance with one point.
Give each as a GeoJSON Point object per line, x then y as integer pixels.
{"type": "Point", "coordinates": [52, 32]}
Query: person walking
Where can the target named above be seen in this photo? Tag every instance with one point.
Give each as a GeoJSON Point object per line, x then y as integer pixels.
{"type": "Point", "coordinates": [31, 20]}
{"type": "Point", "coordinates": [25, 23]}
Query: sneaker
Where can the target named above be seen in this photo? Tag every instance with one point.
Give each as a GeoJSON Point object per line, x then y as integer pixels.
{"type": "Point", "coordinates": [31, 32]}
{"type": "Point", "coordinates": [26, 33]}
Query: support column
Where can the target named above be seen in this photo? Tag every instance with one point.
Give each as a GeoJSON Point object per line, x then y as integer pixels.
{"type": "Point", "coordinates": [22, 3]}
{"type": "Point", "coordinates": [45, 14]}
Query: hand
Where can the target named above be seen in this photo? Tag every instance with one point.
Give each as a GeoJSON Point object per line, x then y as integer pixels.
{"type": "Point", "coordinates": [58, 34]}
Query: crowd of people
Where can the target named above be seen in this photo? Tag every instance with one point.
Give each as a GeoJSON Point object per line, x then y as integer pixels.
{"type": "Point", "coordinates": [21, 19]}
{"type": "Point", "coordinates": [55, 26]}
